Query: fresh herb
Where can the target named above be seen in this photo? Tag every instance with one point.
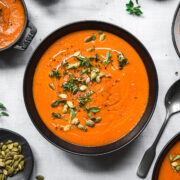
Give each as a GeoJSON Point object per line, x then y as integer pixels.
{"type": "Point", "coordinates": [72, 113]}
{"type": "Point", "coordinates": [92, 109]}
{"type": "Point", "coordinates": [84, 99]}
{"type": "Point", "coordinates": [122, 61]}
{"type": "Point", "coordinates": [51, 85]}
{"type": "Point", "coordinates": [3, 110]}
{"type": "Point", "coordinates": [56, 103]}
{"type": "Point", "coordinates": [97, 57]}
{"type": "Point", "coordinates": [71, 85]}
{"type": "Point", "coordinates": [83, 71]}
{"type": "Point", "coordinates": [84, 61]}
{"type": "Point", "coordinates": [55, 73]}
{"type": "Point", "coordinates": [90, 38]}
{"type": "Point", "coordinates": [56, 115]}
{"type": "Point", "coordinates": [133, 10]}
{"type": "Point", "coordinates": [108, 58]}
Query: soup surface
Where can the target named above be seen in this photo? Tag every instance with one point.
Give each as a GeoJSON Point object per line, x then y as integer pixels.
{"type": "Point", "coordinates": [170, 168]}
{"type": "Point", "coordinates": [90, 88]}
{"type": "Point", "coordinates": [12, 18]}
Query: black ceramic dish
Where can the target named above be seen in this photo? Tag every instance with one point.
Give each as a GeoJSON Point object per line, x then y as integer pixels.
{"type": "Point", "coordinates": [175, 30]}
{"type": "Point", "coordinates": [24, 40]}
{"type": "Point", "coordinates": [6, 135]}
{"type": "Point", "coordinates": [28, 81]}
{"type": "Point", "coordinates": [163, 154]}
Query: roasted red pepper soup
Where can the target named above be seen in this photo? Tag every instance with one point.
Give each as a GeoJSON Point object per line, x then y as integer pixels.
{"type": "Point", "coordinates": [170, 169]}
{"type": "Point", "coordinates": [12, 19]}
{"type": "Point", "coordinates": [90, 88]}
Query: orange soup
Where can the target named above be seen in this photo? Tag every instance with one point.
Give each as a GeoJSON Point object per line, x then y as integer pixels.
{"type": "Point", "coordinates": [170, 169]}
{"type": "Point", "coordinates": [90, 88]}
{"type": "Point", "coordinates": [12, 18]}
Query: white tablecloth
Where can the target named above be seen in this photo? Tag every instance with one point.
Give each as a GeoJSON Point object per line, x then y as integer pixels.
{"type": "Point", "coordinates": [153, 29]}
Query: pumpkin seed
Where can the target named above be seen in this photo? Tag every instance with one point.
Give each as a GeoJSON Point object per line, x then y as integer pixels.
{"type": "Point", "coordinates": [65, 109]}
{"type": "Point", "coordinates": [63, 96]}
{"type": "Point", "coordinates": [51, 85]}
{"type": "Point", "coordinates": [175, 164]}
{"type": "Point", "coordinates": [70, 104]}
{"type": "Point", "coordinates": [81, 127]}
{"type": "Point", "coordinates": [83, 87]}
{"type": "Point", "coordinates": [75, 121]}
{"type": "Point", "coordinates": [90, 123]}
{"type": "Point", "coordinates": [67, 128]}
{"type": "Point", "coordinates": [98, 119]}
{"type": "Point", "coordinates": [73, 66]}
{"type": "Point", "coordinates": [88, 80]}
{"type": "Point", "coordinates": [78, 53]}
{"type": "Point", "coordinates": [178, 168]}
{"type": "Point", "coordinates": [93, 75]}
{"type": "Point", "coordinates": [40, 177]}
{"type": "Point", "coordinates": [102, 37]}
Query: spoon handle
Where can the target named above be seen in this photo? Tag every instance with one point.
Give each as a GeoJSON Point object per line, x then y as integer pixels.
{"type": "Point", "coordinates": [149, 155]}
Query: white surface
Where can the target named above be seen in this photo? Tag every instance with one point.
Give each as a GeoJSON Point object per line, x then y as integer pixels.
{"type": "Point", "coordinates": [153, 29]}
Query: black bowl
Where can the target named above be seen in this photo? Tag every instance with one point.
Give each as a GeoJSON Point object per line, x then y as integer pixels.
{"type": "Point", "coordinates": [28, 94]}
{"type": "Point", "coordinates": [175, 30]}
{"type": "Point", "coordinates": [23, 40]}
{"type": "Point", "coordinates": [6, 135]}
{"type": "Point", "coordinates": [163, 154]}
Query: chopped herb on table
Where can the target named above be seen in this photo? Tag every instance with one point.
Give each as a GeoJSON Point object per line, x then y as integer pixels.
{"type": "Point", "coordinates": [136, 10]}
{"type": "Point", "coordinates": [3, 110]}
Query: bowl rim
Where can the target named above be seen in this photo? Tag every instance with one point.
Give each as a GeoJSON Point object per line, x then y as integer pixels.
{"type": "Point", "coordinates": [149, 114]}
{"type": "Point", "coordinates": [163, 153]}
{"type": "Point", "coordinates": [23, 30]}
{"type": "Point", "coordinates": [172, 29]}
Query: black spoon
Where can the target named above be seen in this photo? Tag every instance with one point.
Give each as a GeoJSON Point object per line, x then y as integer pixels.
{"type": "Point", "coordinates": [172, 103]}
{"type": "Point", "coordinates": [6, 135]}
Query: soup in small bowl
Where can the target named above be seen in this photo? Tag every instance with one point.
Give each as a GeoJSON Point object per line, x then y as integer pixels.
{"type": "Point", "coordinates": [13, 23]}
{"type": "Point", "coordinates": [168, 163]}
{"type": "Point", "coordinates": [90, 87]}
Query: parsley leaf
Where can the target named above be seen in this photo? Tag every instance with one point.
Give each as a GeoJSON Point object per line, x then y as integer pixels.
{"type": "Point", "coordinates": [133, 10]}
{"type": "Point", "coordinates": [55, 73]}
{"type": "Point", "coordinates": [90, 38]}
{"type": "Point", "coordinates": [94, 109]}
{"type": "Point", "coordinates": [122, 61]}
{"type": "Point", "coordinates": [84, 99]}
{"type": "Point", "coordinates": [3, 109]}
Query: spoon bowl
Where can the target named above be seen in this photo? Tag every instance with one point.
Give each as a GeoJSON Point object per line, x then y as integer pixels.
{"type": "Point", "coordinates": [172, 99]}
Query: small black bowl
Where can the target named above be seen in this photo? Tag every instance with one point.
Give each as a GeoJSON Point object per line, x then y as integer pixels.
{"type": "Point", "coordinates": [24, 40]}
{"type": "Point", "coordinates": [163, 154]}
{"type": "Point", "coordinates": [6, 135]}
{"type": "Point", "coordinates": [28, 82]}
{"type": "Point", "coordinates": [175, 30]}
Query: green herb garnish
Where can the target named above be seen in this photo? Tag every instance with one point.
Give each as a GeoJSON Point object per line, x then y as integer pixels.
{"type": "Point", "coordinates": [83, 71]}
{"type": "Point", "coordinates": [84, 61]}
{"type": "Point", "coordinates": [133, 10]}
{"type": "Point", "coordinates": [56, 115]}
{"type": "Point", "coordinates": [84, 99]}
{"type": "Point", "coordinates": [122, 61]}
{"type": "Point", "coordinates": [3, 110]}
{"type": "Point", "coordinates": [90, 38]}
{"type": "Point", "coordinates": [108, 58]}
{"type": "Point", "coordinates": [56, 103]}
{"type": "Point", "coordinates": [92, 109]}
{"type": "Point", "coordinates": [55, 73]}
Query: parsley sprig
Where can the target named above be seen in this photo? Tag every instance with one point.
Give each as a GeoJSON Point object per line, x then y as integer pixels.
{"type": "Point", "coordinates": [130, 7]}
{"type": "Point", "coordinates": [84, 99]}
{"type": "Point", "coordinates": [3, 110]}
